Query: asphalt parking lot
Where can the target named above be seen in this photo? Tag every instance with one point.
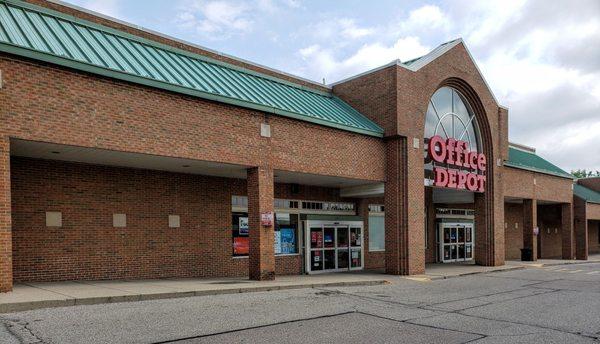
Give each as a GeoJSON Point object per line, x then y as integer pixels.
{"type": "Point", "coordinates": [559, 304]}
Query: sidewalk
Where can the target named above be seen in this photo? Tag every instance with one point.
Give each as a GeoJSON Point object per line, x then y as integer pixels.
{"type": "Point", "coordinates": [27, 296]}
{"type": "Point", "coordinates": [592, 258]}
{"type": "Point", "coordinates": [449, 270]}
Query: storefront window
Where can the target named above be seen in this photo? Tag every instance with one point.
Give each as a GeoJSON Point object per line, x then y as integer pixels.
{"type": "Point", "coordinates": [376, 233]}
{"type": "Point", "coordinates": [286, 234]}
{"type": "Point", "coordinates": [239, 233]}
{"type": "Point", "coordinates": [450, 116]}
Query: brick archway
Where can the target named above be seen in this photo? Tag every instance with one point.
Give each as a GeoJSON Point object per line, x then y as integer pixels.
{"type": "Point", "coordinates": [485, 234]}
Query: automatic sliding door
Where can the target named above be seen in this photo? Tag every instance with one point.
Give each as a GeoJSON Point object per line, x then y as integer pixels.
{"type": "Point", "coordinates": [342, 244]}
{"type": "Point", "coordinates": [316, 249]}
{"type": "Point", "coordinates": [334, 247]}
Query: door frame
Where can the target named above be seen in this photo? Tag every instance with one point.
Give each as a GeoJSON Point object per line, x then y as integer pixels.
{"type": "Point", "coordinates": [308, 224]}
{"type": "Point", "coordinates": [455, 224]}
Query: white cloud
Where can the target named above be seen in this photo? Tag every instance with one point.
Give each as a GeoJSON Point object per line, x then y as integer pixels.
{"type": "Point", "coordinates": [349, 29]}
{"type": "Point", "coordinates": [426, 17]}
{"type": "Point", "coordinates": [216, 19]}
{"type": "Point", "coordinates": [106, 7]}
{"type": "Point", "coordinates": [542, 60]}
{"type": "Point", "coordinates": [324, 62]}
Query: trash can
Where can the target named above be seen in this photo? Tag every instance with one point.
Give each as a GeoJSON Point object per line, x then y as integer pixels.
{"type": "Point", "coordinates": [526, 255]}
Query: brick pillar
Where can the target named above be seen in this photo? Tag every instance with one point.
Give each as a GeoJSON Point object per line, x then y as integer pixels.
{"type": "Point", "coordinates": [6, 272]}
{"type": "Point", "coordinates": [580, 228]}
{"type": "Point", "coordinates": [567, 230]}
{"type": "Point", "coordinates": [404, 209]}
{"type": "Point", "coordinates": [529, 223]}
{"type": "Point", "coordinates": [261, 260]}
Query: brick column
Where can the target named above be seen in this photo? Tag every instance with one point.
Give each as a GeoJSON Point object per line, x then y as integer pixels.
{"type": "Point", "coordinates": [404, 208]}
{"type": "Point", "coordinates": [580, 228]}
{"type": "Point", "coordinates": [6, 273]}
{"type": "Point", "coordinates": [567, 230]}
{"type": "Point", "coordinates": [529, 223]}
{"type": "Point", "coordinates": [261, 260]}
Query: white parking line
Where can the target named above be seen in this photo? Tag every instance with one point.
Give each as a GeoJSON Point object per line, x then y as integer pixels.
{"type": "Point", "coordinates": [593, 272]}
{"type": "Point", "coordinates": [574, 271]}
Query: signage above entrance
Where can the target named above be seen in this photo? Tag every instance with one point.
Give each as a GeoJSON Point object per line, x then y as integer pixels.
{"type": "Point", "coordinates": [463, 165]}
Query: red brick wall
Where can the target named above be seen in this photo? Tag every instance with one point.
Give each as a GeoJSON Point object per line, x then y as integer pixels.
{"type": "Point", "coordinates": [373, 95]}
{"type": "Point", "coordinates": [593, 211]}
{"type": "Point", "coordinates": [373, 259]}
{"type": "Point", "coordinates": [591, 183]}
{"type": "Point", "coordinates": [594, 233]}
{"type": "Point", "coordinates": [85, 110]}
{"type": "Point", "coordinates": [520, 183]}
{"type": "Point", "coordinates": [6, 276]}
{"type": "Point", "coordinates": [88, 247]}
{"type": "Point", "coordinates": [513, 235]}
{"type": "Point", "coordinates": [549, 219]}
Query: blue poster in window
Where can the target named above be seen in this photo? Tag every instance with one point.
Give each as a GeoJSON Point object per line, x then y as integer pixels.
{"type": "Point", "coordinates": [288, 240]}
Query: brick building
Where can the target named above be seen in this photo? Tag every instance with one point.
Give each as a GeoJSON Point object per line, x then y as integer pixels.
{"type": "Point", "coordinates": [128, 154]}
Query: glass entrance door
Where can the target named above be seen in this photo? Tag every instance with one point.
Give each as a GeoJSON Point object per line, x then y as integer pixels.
{"type": "Point", "coordinates": [457, 242]}
{"type": "Point", "coordinates": [336, 247]}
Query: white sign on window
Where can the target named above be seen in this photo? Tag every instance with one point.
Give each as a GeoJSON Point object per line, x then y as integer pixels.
{"type": "Point", "coordinates": [243, 225]}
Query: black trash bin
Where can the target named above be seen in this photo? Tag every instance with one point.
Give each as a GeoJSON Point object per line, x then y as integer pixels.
{"type": "Point", "coordinates": [526, 255]}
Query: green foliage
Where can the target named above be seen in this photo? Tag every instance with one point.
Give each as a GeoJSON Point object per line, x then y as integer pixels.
{"type": "Point", "coordinates": [585, 173]}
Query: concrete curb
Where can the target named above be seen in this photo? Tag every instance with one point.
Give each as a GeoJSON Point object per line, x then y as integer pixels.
{"type": "Point", "coordinates": [69, 301]}
{"type": "Point", "coordinates": [443, 277]}
{"type": "Point", "coordinates": [571, 263]}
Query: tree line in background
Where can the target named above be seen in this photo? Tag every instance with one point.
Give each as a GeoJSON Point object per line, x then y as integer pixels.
{"type": "Point", "coordinates": [585, 173]}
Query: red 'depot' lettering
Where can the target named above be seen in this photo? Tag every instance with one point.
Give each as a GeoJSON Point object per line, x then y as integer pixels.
{"type": "Point", "coordinates": [456, 153]}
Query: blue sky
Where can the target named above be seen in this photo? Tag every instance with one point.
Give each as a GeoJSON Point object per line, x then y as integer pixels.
{"type": "Point", "coordinates": [541, 58]}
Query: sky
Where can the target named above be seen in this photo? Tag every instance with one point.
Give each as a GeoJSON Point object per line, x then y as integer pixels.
{"type": "Point", "coordinates": [541, 58]}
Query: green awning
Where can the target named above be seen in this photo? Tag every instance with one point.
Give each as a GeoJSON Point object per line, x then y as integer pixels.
{"type": "Point", "coordinates": [587, 194]}
{"type": "Point", "coordinates": [526, 160]}
{"type": "Point", "coordinates": [42, 34]}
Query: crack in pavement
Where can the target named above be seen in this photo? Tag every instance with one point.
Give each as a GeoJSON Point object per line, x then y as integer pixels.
{"type": "Point", "coordinates": [20, 330]}
{"type": "Point", "coordinates": [407, 321]}
{"type": "Point", "coordinates": [253, 327]}
{"type": "Point", "coordinates": [460, 312]}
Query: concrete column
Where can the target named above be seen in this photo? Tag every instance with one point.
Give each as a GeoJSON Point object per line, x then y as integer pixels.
{"type": "Point", "coordinates": [580, 228]}
{"type": "Point", "coordinates": [567, 230]}
{"type": "Point", "coordinates": [261, 260]}
{"type": "Point", "coordinates": [529, 223]}
{"type": "Point", "coordinates": [404, 208]}
{"type": "Point", "coordinates": [6, 272]}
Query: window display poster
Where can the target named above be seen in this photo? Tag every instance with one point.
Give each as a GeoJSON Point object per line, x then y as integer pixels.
{"type": "Point", "coordinates": [277, 242]}
{"type": "Point", "coordinates": [241, 245]}
{"type": "Point", "coordinates": [287, 240]}
{"type": "Point", "coordinates": [328, 238]}
{"type": "Point", "coordinates": [243, 226]}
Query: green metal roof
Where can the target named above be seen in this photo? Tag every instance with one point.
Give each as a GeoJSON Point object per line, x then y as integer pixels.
{"type": "Point", "coordinates": [39, 33]}
{"type": "Point", "coordinates": [587, 194]}
{"type": "Point", "coordinates": [526, 160]}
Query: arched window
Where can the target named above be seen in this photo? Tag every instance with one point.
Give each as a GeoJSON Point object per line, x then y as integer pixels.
{"type": "Point", "coordinates": [450, 116]}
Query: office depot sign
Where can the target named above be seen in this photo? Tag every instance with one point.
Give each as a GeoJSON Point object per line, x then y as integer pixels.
{"type": "Point", "coordinates": [463, 166]}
